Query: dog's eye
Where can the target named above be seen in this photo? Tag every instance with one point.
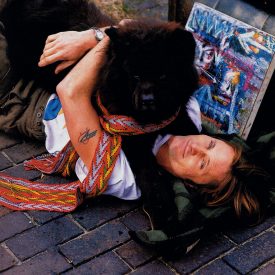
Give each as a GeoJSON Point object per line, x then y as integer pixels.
{"type": "Point", "coordinates": [136, 77]}
{"type": "Point", "coordinates": [162, 77]}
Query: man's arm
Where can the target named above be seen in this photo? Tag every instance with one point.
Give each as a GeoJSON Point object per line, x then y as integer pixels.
{"type": "Point", "coordinates": [75, 92]}
{"type": "Point", "coordinates": [68, 47]}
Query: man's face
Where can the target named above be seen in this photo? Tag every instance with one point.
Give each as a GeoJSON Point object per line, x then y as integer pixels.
{"type": "Point", "coordinates": [199, 158]}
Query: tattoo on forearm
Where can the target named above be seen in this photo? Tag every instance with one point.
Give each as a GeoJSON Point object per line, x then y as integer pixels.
{"type": "Point", "coordinates": [86, 135]}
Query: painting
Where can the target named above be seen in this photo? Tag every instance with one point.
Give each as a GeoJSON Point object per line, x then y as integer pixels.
{"type": "Point", "coordinates": [235, 62]}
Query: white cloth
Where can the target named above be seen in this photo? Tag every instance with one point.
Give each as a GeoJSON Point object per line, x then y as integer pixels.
{"type": "Point", "coordinates": [160, 140]}
{"type": "Point", "coordinates": [122, 182]}
{"type": "Point", "coordinates": [194, 112]}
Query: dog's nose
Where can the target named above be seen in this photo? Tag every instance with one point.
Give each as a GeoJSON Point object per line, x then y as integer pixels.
{"type": "Point", "coordinates": [148, 102]}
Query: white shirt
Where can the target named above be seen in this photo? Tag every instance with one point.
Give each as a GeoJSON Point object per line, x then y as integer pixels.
{"type": "Point", "coordinates": [122, 182]}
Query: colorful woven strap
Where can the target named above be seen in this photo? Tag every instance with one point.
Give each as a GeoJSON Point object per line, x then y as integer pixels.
{"type": "Point", "coordinates": [128, 126]}
{"type": "Point", "coordinates": [21, 194]}
{"type": "Point", "coordinates": [102, 166]}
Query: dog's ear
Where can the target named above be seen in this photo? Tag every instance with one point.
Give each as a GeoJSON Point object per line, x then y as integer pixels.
{"type": "Point", "coordinates": [113, 33]}
{"type": "Point", "coordinates": [119, 40]}
{"type": "Point", "coordinates": [182, 41]}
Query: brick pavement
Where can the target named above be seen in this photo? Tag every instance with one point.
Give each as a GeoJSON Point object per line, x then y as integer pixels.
{"type": "Point", "coordinates": [94, 239]}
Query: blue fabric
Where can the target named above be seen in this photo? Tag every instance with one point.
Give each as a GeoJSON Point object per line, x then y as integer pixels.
{"type": "Point", "coordinates": [52, 109]}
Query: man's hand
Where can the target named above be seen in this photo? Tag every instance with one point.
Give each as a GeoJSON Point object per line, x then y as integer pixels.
{"type": "Point", "coordinates": [67, 47]}
{"type": "Point", "coordinates": [125, 21]}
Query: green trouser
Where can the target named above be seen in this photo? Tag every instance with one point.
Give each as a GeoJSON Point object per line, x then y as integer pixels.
{"type": "Point", "coordinates": [21, 102]}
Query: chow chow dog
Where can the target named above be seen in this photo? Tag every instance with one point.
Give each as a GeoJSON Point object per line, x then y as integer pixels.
{"type": "Point", "coordinates": [149, 74]}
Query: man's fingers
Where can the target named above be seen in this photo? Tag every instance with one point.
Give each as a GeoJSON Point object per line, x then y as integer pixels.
{"type": "Point", "coordinates": [46, 60]}
{"type": "Point", "coordinates": [52, 37]}
{"type": "Point", "coordinates": [50, 45]}
{"type": "Point", "coordinates": [63, 65]}
{"type": "Point", "coordinates": [50, 51]}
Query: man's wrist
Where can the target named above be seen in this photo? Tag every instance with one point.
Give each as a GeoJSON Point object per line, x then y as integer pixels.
{"type": "Point", "coordinates": [88, 39]}
{"type": "Point", "coordinates": [98, 34]}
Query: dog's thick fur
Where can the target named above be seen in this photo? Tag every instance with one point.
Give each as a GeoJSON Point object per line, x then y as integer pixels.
{"type": "Point", "coordinates": [149, 74]}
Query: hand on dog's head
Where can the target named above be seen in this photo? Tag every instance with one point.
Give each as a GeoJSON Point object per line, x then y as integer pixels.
{"type": "Point", "coordinates": [150, 70]}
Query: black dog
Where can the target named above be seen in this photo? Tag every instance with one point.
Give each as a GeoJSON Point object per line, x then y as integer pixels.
{"type": "Point", "coordinates": [149, 74]}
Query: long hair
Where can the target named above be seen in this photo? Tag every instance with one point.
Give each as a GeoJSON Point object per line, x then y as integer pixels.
{"type": "Point", "coordinates": [246, 187]}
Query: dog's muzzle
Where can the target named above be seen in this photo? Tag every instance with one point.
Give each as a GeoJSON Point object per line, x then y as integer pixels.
{"type": "Point", "coordinates": [144, 98]}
